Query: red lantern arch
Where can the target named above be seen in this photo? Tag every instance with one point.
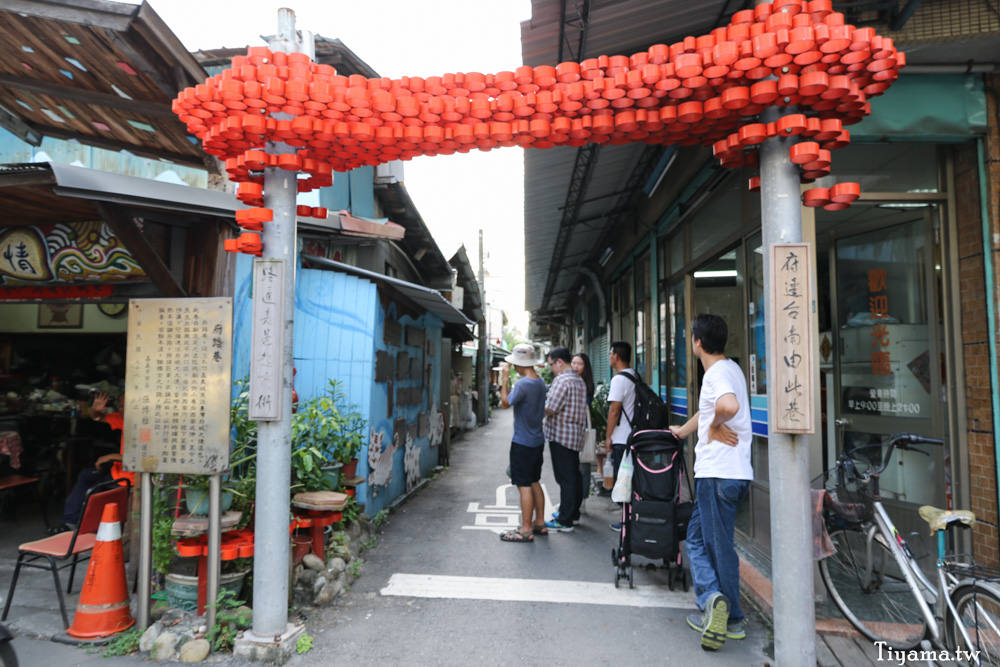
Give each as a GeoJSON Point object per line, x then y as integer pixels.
{"type": "Point", "coordinates": [791, 54]}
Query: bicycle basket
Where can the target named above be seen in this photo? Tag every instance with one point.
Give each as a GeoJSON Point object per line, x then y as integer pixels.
{"type": "Point", "coordinates": [850, 485]}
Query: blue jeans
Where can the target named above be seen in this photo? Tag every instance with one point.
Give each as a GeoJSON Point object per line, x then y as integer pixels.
{"type": "Point", "coordinates": [74, 501]}
{"type": "Point", "coordinates": [715, 568]}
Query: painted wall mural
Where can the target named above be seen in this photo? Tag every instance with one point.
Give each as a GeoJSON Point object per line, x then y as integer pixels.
{"type": "Point", "coordinates": [64, 253]}
{"type": "Point", "coordinates": [380, 454]}
{"type": "Point", "coordinates": [411, 463]}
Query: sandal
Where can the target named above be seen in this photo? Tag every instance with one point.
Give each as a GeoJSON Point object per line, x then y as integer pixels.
{"type": "Point", "coordinates": [540, 530]}
{"type": "Point", "coordinates": [516, 536]}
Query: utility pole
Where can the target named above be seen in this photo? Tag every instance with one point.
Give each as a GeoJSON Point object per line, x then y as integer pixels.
{"type": "Point", "coordinates": [271, 550]}
{"type": "Point", "coordinates": [788, 455]}
{"type": "Point", "coordinates": [483, 370]}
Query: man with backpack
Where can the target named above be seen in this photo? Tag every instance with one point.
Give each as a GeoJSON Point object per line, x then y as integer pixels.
{"type": "Point", "coordinates": [621, 405]}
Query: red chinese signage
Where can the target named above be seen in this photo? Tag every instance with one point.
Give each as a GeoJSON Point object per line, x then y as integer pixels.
{"type": "Point", "coordinates": [878, 307]}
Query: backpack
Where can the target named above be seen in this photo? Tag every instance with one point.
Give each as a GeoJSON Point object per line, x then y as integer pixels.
{"type": "Point", "coordinates": [648, 411]}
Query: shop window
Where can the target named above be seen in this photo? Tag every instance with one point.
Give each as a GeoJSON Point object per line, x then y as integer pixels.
{"type": "Point", "coordinates": [756, 362]}
{"type": "Point", "coordinates": [643, 319]}
{"type": "Point", "coordinates": [886, 368]}
{"type": "Point", "coordinates": [676, 340]}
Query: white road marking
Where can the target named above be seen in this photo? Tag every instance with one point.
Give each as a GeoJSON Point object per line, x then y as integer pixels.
{"type": "Point", "coordinates": [502, 516]}
{"type": "Point", "coordinates": [533, 590]}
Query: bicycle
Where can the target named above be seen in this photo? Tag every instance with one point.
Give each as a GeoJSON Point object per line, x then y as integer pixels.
{"type": "Point", "coordinates": [876, 582]}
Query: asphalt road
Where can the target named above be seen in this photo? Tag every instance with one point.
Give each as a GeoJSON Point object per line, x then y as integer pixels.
{"type": "Point", "coordinates": [432, 546]}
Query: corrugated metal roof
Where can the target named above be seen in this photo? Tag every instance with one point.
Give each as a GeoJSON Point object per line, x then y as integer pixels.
{"type": "Point", "coordinates": [615, 27]}
{"type": "Point", "coordinates": [425, 297]}
{"type": "Point", "coordinates": [546, 180]}
{"type": "Point", "coordinates": [618, 26]}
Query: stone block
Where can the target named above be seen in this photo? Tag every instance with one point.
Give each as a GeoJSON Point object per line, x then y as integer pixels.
{"type": "Point", "coordinates": [195, 650]}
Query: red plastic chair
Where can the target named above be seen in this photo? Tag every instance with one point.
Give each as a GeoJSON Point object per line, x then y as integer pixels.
{"type": "Point", "coordinates": [72, 543]}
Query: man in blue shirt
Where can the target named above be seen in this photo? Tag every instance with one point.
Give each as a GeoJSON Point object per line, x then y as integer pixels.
{"type": "Point", "coordinates": [527, 444]}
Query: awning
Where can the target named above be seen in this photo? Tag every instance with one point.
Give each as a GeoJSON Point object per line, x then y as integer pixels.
{"type": "Point", "coordinates": [424, 297]}
{"type": "Point", "coordinates": [93, 184]}
{"type": "Point", "coordinates": [102, 73]}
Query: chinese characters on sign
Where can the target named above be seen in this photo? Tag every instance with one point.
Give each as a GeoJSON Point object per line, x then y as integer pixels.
{"type": "Point", "coordinates": [791, 337]}
{"type": "Point", "coordinates": [878, 307]}
{"type": "Point", "coordinates": [178, 379]}
{"type": "Point", "coordinates": [267, 340]}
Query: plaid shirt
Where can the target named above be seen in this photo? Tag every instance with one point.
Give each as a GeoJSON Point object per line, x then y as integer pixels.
{"type": "Point", "coordinates": [567, 397]}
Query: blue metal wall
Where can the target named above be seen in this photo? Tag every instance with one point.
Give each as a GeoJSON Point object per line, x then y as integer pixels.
{"type": "Point", "coordinates": [380, 497]}
{"type": "Point", "coordinates": [339, 321]}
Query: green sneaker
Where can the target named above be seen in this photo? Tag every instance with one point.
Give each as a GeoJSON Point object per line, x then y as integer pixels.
{"type": "Point", "coordinates": [713, 635]}
{"type": "Point", "coordinates": [735, 630]}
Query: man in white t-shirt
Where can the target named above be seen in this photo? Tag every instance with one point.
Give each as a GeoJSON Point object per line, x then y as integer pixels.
{"type": "Point", "coordinates": [621, 405]}
{"type": "Point", "coordinates": [722, 472]}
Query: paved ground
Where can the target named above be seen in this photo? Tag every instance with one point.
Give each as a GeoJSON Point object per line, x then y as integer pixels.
{"type": "Point", "coordinates": [385, 619]}
{"type": "Point", "coordinates": [440, 588]}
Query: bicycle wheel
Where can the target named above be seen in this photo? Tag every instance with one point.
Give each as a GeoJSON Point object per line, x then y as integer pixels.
{"type": "Point", "coordinates": [978, 609]}
{"type": "Point", "coordinates": [875, 599]}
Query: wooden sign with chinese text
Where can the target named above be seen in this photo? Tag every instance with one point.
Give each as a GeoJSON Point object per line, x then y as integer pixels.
{"type": "Point", "coordinates": [178, 379]}
{"type": "Point", "coordinates": [267, 339]}
{"type": "Point", "coordinates": [791, 349]}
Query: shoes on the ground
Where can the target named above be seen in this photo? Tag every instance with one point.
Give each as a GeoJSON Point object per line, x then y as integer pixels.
{"type": "Point", "coordinates": [554, 525]}
{"type": "Point", "coordinates": [714, 627]}
{"type": "Point", "coordinates": [61, 528]}
{"type": "Point", "coordinates": [615, 526]}
{"type": "Point", "coordinates": [555, 516]}
{"type": "Point", "coordinates": [734, 629]}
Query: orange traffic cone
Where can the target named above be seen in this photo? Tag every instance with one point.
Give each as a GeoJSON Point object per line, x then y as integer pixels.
{"type": "Point", "coordinates": [103, 606]}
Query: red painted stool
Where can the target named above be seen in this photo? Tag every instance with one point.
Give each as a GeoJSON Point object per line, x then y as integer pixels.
{"type": "Point", "coordinates": [316, 510]}
{"type": "Point", "coordinates": [235, 544]}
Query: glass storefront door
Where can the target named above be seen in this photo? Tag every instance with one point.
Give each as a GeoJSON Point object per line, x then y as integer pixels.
{"type": "Point", "coordinates": [888, 359]}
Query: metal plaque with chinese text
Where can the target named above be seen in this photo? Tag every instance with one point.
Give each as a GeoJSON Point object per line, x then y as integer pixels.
{"type": "Point", "coordinates": [267, 340]}
{"type": "Point", "coordinates": [791, 320]}
{"type": "Point", "coordinates": [177, 380]}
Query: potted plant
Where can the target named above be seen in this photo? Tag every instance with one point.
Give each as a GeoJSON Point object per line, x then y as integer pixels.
{"type": "Point", "coordinates": [326, 435]}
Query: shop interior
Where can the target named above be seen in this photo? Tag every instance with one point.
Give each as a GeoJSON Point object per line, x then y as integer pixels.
{"type": "Point", "coordinates": [54, 359]}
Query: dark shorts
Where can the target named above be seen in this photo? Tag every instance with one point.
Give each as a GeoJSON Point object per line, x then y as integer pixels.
{"type": "Point", "coordinates": [525, 464]}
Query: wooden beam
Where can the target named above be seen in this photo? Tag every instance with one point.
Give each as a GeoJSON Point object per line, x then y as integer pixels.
{"type": "Point", "coordinates": [114, 145]}
{"type": "Point", "coordinates": [123, 225]}
{"type": "Point", "coordinates": [141, 107]}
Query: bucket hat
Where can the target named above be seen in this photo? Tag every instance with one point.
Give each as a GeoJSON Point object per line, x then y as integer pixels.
{"type": "Point", "coordinates": [523, 355]}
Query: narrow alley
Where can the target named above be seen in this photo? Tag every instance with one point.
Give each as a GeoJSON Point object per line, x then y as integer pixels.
{"type": "Point", "coordinates": [441, 588]}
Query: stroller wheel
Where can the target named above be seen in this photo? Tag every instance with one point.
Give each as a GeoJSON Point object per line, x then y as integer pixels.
{"type": "Point", "coordinates": [614, 556]}
{"type": "Point", "coordinates": [631, 580]}
{"type": "Point", "coordinates": [617, 577]}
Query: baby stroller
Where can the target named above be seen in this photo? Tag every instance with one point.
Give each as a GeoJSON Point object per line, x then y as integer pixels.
{"type": "Point", "coordinates": [654, 521]}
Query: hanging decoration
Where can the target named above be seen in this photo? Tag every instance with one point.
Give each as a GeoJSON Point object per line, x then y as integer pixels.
{"type": "Point", "coordinates": [708, 90]}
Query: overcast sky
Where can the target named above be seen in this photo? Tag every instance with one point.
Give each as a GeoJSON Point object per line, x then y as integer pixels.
{"type": "Point", "coordinates": [457, 194]}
